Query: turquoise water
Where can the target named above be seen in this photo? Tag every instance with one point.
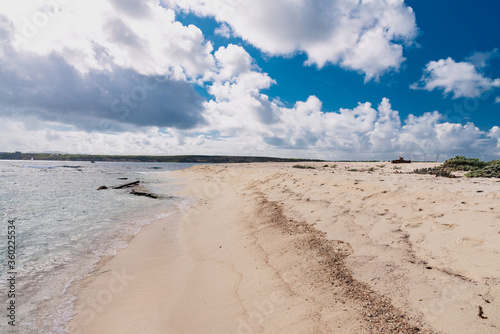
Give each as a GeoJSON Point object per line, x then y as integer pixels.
{"type": "Point", "coordinates": [64, 225]}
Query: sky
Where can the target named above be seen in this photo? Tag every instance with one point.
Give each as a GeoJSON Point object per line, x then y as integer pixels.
{"type": "Point", "coordinates": [326, 79]}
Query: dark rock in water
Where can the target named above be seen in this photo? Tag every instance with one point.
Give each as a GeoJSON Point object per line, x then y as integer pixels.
{"type": "Point", "coordinates": [102, 188]}
{"type": "Point", "coordinates": [126, 185]}
{"type": "Point", "coordinates": [143, 193]}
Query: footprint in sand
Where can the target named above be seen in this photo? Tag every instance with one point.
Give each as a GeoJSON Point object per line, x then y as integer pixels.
{"type": "Point", "coordinates": [470, 242]}
{"type": "Point", "coordinates": [413, 225]}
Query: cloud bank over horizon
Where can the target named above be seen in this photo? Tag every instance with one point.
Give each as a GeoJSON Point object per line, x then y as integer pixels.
{"type": "Point", "coordinates": [107, 77]}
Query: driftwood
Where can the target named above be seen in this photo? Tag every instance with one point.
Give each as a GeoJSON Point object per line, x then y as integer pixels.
{"type": "Point", "coordinates": [139, 191]}
{"type": "Point", "coordinates": [102, 188]}
{"type": "Point", "coordinates": [126, 185]}
{"type": "Point", "coordinates": [143, 193]}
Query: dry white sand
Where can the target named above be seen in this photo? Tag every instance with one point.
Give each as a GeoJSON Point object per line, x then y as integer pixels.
{"type": "Point", "coordinates": [355, 248]}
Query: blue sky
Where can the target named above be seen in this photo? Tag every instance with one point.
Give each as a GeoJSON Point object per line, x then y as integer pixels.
{"type": "Point", "coordinates": [321, 79]}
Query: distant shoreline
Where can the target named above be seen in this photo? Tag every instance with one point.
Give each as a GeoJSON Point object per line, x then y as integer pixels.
{"type": "Point", "coordinates": [147, 158]}
{"type": "Point", "coordinates": [163, 158]}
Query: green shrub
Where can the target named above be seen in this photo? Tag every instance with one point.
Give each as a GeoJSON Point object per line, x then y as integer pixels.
{"type": "Point", "coordinates": [492, 169]}
{"type": "Point", "coordinates": [463, 163]}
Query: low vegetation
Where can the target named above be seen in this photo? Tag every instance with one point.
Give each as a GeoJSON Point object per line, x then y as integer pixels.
{"type": "Point", "coordinates": [304, 167]}
{"type": "Point", "coordinates": [492, 169]}
{"type": "Point", "coordinates": [474, 167]}
{"type": "Point", "coordinates": [438, 171]}
{"type": "Point", "coordinates": [461, 163]}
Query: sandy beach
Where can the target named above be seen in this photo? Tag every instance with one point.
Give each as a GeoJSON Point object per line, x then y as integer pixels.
{"type": "Point", "coordinates": [346, 247]}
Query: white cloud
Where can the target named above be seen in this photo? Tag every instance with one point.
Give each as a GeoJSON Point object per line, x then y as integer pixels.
{"type": "Point", "coordinates": [232, 61]}
{"type": "Point", "coordinates": [365, 36]}
{"type": "Point", "coordinates": [238, 105]}
{"type": "Point", "coordinates": [51, 89]}
{"type": "Point", "coordinates": [494, 134]}
{"type": "Point", "coordinates": [497, 99]}
{"type": "Point", "coordinates": [482, 59]}
{"type": "Point", "coordinates": [240, 113]}
{"type": "Point", "coordinates": [102, 64]}
{"type": "Point", "coordinates": [86, 55]}
{"type": "Point", "coordinates": [240, 118]}
{"type": "Point", "coordinates": [462, 79]}
{"type": "Point", "coordinates": [223, 30]}
{"type": "Point", "coordinates": [101, 34]}
{"type": "Point", "coordinates": [363, 132]}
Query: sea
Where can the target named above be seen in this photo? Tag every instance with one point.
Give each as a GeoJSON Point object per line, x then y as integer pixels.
{"type": "Point", "coordinates": [64, 226]}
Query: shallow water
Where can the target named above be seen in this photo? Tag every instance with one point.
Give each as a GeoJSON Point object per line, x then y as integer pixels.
{"type": "Point", "coordinates": [64, 225]}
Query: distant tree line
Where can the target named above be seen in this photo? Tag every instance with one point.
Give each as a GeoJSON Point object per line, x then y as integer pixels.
{"type": "Point", "coordinates": [145, 158]}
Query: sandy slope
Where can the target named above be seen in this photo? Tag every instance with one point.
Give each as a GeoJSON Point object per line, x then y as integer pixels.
{"type": "Point", "coordinates": [355, 248]}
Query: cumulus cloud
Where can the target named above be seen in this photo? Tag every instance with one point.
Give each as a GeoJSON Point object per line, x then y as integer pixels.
{"type": "Point", "coordinates": [138, 35]}
{"type": "Point", "coordinates": [364, 132]}
{"type": "Point", "coordinates": [497, 99]}
{"type": "Point", "coordinates": [463, 79]}
{"type": "Point", "coordinates": [232, 61]}
{"type": "Point", "coordinates": [240, 112]}
{"type": "Point", "coordinates": [98, 101]}
{"type": "Point", "coordinates": [223, 30]}
{"type": "Point", "coordinates": [494, 134]}
{"type": "Point", "coordinates": [101, 66]}
{"type": "Point", "coordinates": [50, 88]}
{"type": "Point", "coordinates": [365, 36]}
{"type": "Point", "coordinates": [238, 102]}
{"type": "Point", "coordinates": [239, 118]}
{"type": "Point", "coordinates": [119, 77]}
{"type": "Point", "coordinates": [371, 132]}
